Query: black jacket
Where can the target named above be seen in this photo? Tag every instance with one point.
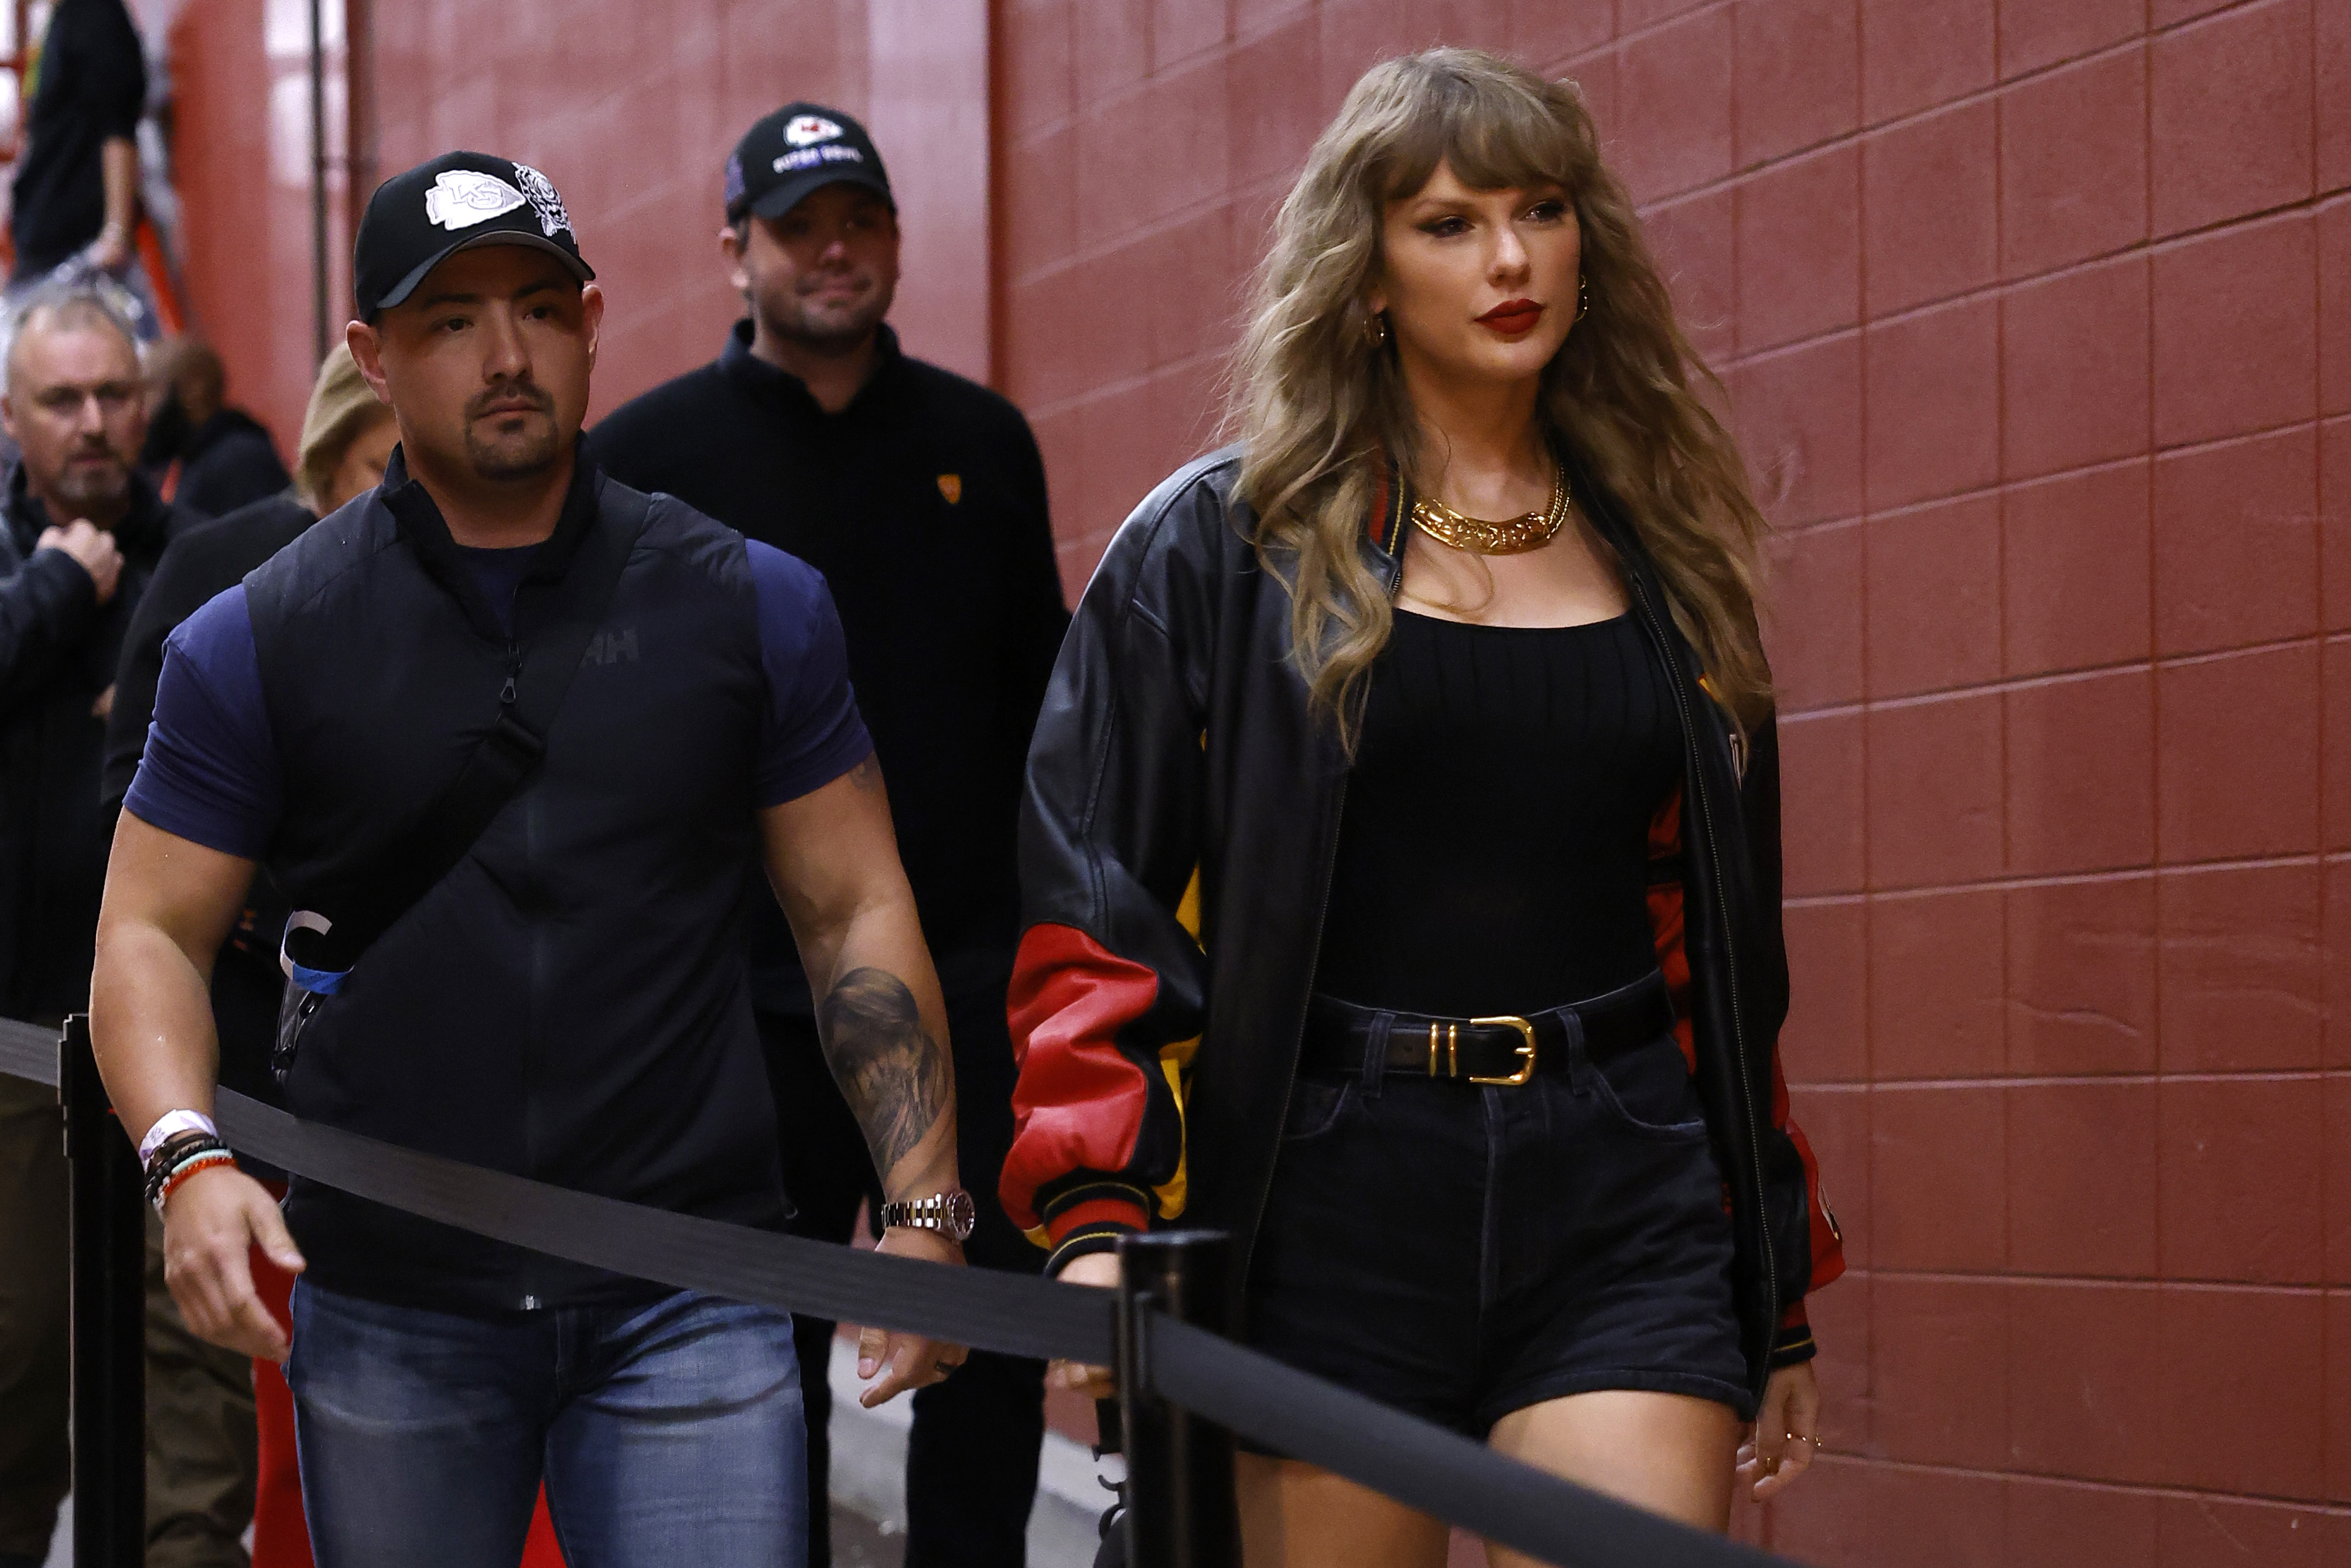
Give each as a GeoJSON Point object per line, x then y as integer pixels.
{"type": "Point", "coordinates": [923, 502]}
{"type": "Point", "coordinates": [570, 1002]}
{"type": "Point", "coordinates": [58, 652]}
{"type": "Point", "coordinates": [1182, 815]}
{"type": "Point", "coordinates": [225, 463]}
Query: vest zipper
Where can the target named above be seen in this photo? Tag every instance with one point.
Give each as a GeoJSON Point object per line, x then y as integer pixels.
{"type": "Point", "coordinates": [1730, 965]}
{"type": "Point", "coordinates": [531, 1299]}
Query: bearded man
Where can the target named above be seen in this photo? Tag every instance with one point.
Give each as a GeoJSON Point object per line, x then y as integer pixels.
{"type": "Point", "coordinates": [921, 498]}
{"type": "Point", "coordinates": [82, 533]}
{"type": "Point", "coordinates": [637, 710]}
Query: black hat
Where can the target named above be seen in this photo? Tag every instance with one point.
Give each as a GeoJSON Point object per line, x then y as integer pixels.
{"type": "Point", "coordinates": [792, 152]}
{"type": "Point", "coordinates": [458, 201]}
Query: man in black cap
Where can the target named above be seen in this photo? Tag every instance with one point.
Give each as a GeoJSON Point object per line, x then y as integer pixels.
{"type": "Point", "coordinates": [509, 736]}
{"type": "Point", "coordinates": [921, 498]}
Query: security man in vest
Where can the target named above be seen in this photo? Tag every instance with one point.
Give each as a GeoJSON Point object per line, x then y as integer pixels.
{"type": "Point", "coordinates": [921, 498]}
{"type": "Point", "coordinates": [568, 1001]}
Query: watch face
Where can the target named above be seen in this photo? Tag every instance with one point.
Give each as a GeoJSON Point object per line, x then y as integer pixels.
{"type": "Point", "coordinates": [961, 1215]}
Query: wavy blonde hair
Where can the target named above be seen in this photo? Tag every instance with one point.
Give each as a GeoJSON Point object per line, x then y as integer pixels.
{"type": "Point", "coordinates": [1315, 405]}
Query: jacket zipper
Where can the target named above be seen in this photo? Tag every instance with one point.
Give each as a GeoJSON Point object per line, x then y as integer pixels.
{"type": "Point", "coordinates": [1730, 965]}
{"type": "Point", "coordinates": [531, 1298]}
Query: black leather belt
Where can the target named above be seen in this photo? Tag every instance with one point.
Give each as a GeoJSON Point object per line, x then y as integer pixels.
{"type": "Point", "coordinates": [1503, 1048]}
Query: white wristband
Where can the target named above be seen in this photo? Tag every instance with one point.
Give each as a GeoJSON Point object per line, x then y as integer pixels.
{"type": "Point", "coordinates": [171, 1121]}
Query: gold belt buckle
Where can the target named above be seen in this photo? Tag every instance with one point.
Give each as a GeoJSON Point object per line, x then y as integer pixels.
{"type": "Point", "coordinates": [1526, 1050]}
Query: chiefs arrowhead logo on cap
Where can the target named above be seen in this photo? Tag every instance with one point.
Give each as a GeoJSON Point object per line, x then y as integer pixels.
{"type": "Point", "coordinates": [951, 486]}
{"type": "Point", "coordinates": [805, 129]}
{"type": "Point", "coordinates": [460, 198]}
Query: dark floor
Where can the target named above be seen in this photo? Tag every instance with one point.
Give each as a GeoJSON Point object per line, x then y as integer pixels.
{"type": "Point", "coordinates": [858, 1543]}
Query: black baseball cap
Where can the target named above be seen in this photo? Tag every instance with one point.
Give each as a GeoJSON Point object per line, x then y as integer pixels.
{"type": "Point", "coordinates": [417, 220]}
{"type": "Point", "coordinates": [792, 152]}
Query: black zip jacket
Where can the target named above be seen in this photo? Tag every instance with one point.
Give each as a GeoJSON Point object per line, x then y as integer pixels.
{"type": "Point", "coordinates": [1177, 843]}
{"type": "Point", "coordinates": [58, 651]}
{"type": "Point", "coordinates": [923, 502]}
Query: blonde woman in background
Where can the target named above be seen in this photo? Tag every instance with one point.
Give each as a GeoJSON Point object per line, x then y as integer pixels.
{"type": "Point", "coordinates": [1400, 859]}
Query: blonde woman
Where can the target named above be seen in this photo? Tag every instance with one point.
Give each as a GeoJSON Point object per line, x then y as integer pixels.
{"type": "Point", "coordinates": [1401, 854]}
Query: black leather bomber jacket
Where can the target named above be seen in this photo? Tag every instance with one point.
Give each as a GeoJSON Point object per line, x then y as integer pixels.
{"type": "Point", "coordinates": [1177, 837]}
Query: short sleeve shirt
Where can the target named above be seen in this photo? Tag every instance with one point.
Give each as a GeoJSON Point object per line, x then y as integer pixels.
{"type": "Point", "coordinates": [210, 772]}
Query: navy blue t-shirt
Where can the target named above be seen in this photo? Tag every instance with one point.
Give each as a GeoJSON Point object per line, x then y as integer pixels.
{"type": "Point", "coordinates": [210, 772]}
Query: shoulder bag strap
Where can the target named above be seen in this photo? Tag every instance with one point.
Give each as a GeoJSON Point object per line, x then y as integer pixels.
{"type": "Point", "coordinates": [322, 946]}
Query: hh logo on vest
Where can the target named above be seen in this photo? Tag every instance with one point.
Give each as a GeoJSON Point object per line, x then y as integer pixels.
{"type": "Point", "coordinates": [612, 648]}
{"type": "Point", "coordinates": [951, 486]}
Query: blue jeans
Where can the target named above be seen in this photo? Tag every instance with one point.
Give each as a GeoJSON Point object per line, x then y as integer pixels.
{"type": "Point", "coordinates": [666, 1433]}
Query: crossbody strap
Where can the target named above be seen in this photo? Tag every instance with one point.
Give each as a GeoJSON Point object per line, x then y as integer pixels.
{"type": "Point", "coordinates": [320, 947]}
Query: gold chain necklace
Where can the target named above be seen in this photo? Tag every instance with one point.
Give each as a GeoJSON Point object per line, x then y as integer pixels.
{"type": "Point", "coordinates": [1511, 536]}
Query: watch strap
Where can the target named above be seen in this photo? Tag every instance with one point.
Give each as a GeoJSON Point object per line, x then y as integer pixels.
{"type": "Point", "coordinates": [937, 1212]}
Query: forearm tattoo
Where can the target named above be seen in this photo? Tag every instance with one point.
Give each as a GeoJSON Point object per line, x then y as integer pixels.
{"type": "Point", "coordinates": [893, 1074]}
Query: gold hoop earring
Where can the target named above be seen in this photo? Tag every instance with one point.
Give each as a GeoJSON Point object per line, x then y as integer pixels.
{"type": "Point", "coordinates": [1582, 300]}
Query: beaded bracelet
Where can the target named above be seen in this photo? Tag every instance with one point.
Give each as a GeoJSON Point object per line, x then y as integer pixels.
{"type": "Point", "coordinates": [165, 1153]}
{"type": "Point", "coordinates": [188, 1167]}
{"type": "Point", "coordinates": [175, 1153]}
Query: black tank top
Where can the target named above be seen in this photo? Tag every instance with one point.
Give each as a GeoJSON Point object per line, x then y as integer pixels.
{"type": "Point", "coordinates": [1493, 855]}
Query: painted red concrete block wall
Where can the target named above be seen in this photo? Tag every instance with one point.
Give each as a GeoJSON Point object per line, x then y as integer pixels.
{"type": "Point", "coordinates": [630, 108]}
{"type": "Point", "coordinates": [2036, 321]}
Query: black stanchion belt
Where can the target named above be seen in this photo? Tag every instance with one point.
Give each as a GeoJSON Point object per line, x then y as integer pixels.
{"type": "Point", "coordinates": [28, 1050]}
{"type": "Point", "coordinates": [1423, 1466]}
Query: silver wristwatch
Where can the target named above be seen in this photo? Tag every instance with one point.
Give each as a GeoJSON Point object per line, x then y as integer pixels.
{"type": "Point", "coordinates": [951, 1213]}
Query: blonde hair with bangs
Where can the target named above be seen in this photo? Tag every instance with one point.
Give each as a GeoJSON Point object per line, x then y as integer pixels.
{"type": "Point", "coordinates": [1315, 405]}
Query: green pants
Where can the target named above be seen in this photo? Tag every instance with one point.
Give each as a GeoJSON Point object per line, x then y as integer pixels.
{"type": "Point", "coordinates": [201, 1461]}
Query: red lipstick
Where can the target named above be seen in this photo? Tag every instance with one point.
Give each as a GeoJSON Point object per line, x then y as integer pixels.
{"type": "Point", "coordinates": [1512, 317]}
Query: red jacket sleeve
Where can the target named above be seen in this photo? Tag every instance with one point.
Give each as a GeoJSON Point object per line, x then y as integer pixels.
{"type": "Point", "coordinates": [1759, 806]}
{"type": "Point", "coordinates": [1108, 988]}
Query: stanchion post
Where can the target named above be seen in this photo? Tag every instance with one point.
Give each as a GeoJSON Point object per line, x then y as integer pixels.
{"type": "Point", "coordinates": [110, 1355]}
{"type": "Point", "coordinates": [1180, 1511]}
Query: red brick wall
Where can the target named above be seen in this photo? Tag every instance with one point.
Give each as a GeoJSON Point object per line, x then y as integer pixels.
{"type": "Point", "coordinates": [2022, 308]}
{"type": "Point", "coordinates": [2037, 318]}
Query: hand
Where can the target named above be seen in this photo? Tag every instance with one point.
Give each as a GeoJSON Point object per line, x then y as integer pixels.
{"type": "Point", "coordinates": [1787, 1432]}
{"type": "Point", "coordinates": [1100, 1269]}
{"type": "Point", "coordinates": [904, 1359]}
{"type": "Point", "coordinates": [209, 1226]}
{"type": "Point", "coordinates": [91, 549]}
{"type": "Point", "coordinates": [110, 251]}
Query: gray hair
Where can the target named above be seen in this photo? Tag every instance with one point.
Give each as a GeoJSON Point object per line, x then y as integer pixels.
{"type": "Point", "coordinates": [54, 307]}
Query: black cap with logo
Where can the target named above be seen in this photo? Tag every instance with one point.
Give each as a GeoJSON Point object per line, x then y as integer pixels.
{"type": "Point", "coordinates": [417, 220]}
{"type": "Point", "coordinates": [792, 152]}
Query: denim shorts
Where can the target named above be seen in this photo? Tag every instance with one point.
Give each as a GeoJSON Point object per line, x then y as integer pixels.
{"type": "Point", "coordinates": [1461, 1251]}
